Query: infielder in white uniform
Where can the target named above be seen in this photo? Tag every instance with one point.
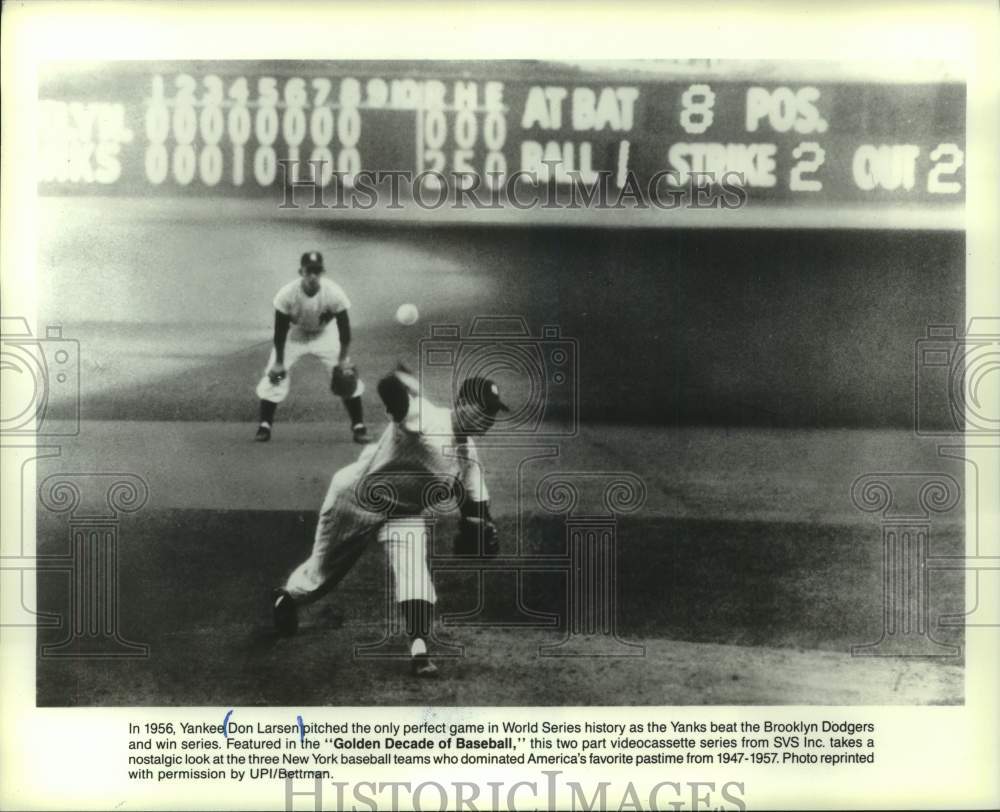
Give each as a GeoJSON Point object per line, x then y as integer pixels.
{"type": "Point", "coordinates": [303, 309]}
{"type": "Point", "coordinates": [423, 441]}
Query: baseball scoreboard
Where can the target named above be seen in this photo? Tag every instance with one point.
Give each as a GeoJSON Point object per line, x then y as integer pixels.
{"type": "Point", "coordinates": [247, 129]}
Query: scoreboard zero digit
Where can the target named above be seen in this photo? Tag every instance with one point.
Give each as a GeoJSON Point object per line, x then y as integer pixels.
{"type": "Point", "coordinates": [224, 129]}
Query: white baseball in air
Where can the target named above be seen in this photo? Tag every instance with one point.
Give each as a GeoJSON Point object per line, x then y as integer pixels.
{"type": "Point", "coordinates": [407, 314]}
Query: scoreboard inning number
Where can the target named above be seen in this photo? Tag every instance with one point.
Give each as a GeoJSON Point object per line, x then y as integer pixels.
{"type": "Point", "coordinates": [232, 133]}
{"type": "Point", "coordinates": [217, 112]}
{"type": "Point", "coordinates": [696, 115]}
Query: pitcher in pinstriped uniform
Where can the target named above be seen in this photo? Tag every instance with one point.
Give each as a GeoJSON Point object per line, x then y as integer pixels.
{"type": "Point", "coordinates": [421, 440]}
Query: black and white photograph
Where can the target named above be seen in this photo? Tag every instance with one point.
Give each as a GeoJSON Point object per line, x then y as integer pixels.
{"type": "Point", "coordinates": [439, 386]}
{"type": "Point", "coordinates": [625, 378]}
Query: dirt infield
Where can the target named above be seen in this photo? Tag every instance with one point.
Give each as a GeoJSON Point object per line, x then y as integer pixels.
{"type": "Point", "coordinates": [500, 667]}
{"type": "Point", "coordinates": [760, 608]}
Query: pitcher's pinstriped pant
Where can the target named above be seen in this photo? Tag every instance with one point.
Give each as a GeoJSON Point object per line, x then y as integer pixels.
{"type": "Point", "coordinates": [343, 533]}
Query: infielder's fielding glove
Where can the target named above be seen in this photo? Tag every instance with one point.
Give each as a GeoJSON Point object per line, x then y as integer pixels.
{"type": "Point", "coordinates": [344, 381]}
{"type": "Point", "coordinates": [470, 530]}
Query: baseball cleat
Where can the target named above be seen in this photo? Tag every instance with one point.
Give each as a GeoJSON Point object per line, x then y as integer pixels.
{"type": "Point", "coordinates": [422, 667]}
{"type": "Point", "coordinates": [263, 434]}
{"type": "Point", "coordinates": [361, 434]}
{"type": "Point", "coordinates": [286, 616]}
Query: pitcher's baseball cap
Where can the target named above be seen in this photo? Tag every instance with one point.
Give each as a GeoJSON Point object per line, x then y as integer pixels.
{"type": "Point", "coordinates": [483, 393]}
{"type": "Point", "coordinates": [312, 259]}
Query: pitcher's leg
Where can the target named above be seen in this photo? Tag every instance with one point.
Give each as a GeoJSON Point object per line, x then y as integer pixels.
{"type": "Point", "coordinates": [330, 561]}
{"type": "Point", "coordinates": [406, 550]}
{"type": "Point", "coordinates": [342, 533]}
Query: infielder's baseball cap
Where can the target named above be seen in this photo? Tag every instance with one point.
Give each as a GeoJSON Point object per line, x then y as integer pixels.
{"type": "Point", "coordinates": [312, 259]}
{"type": "Point", "coordinates": [483, 393]}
